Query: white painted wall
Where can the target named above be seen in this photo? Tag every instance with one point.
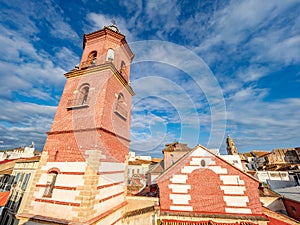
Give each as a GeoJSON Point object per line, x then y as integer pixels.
{"type": "Point", "coordinates": [234, 160]}
{"type": "Point", "coordinates": [105, 179]}
{"type": "Point", "coordinates": [263, 176]}
{"type": "Point", "coordinates": [66, 167]}
{"type": "Point", "coordinates": [52, 210]}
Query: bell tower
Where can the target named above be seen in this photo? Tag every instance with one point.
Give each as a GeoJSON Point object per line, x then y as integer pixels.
{"type": "Point", "coordinates": [81, 174]}
{"type": "Point", "coordinates": [231, 148]}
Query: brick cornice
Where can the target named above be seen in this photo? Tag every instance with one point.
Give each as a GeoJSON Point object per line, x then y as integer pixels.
{"type": "Point", "coordinates": [89, 129]}
{"type": "Point", "coordinates": [97, 68]}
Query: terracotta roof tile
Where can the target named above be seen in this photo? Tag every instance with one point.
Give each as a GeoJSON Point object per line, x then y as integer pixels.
{"type": "Point", "coordinates": [3, 197]}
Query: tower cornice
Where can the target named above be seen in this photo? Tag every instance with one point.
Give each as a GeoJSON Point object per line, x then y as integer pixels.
{"type": "Point", "coordinates": [90, 129]}
{"type": "Point", "coordinates": [106, 66]}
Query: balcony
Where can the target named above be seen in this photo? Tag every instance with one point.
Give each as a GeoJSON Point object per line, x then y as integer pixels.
{"type": "Point", "coordinates": [77, 103]}
{"type": "Point", "coordinates": [88, 63]}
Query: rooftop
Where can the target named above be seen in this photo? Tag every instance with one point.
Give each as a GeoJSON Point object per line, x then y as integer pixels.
{"type": "Point", "coordinates": [292, 193]}
{"type": "Point", "coordinates": [260, 153]}
{"type": "Point", "coordinates": [176, 146]}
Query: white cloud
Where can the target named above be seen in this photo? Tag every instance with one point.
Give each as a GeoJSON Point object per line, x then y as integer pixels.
{"type": "Point", "coordinates": [98, 21]}
{"type": "Point", "coordinates": [253, 72]}
{"type": "Point", "coordinates": [25, 69]}
{"type": "Point", "coordinates": [257, 122]}
{"type": "Point", "coordinates": [14, 46]}
{"type": "Point", "coordinates": [24, 122]}
{"type": "Point", "coordinates": [26, 15]}
{"type": "Point", "coordinates": [162, 16]}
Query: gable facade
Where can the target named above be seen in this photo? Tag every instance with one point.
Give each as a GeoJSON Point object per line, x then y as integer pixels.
{"type": "Point", "coordinates": [202, 183]}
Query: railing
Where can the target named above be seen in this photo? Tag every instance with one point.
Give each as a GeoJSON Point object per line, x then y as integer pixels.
{"type": "Point", "coordinates": [78, 103]}
{"type": "Point", "coordinates": [88, 63]}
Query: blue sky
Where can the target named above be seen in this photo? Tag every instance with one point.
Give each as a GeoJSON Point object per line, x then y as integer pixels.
{"type": "Point", "coordinates": [202, 70]}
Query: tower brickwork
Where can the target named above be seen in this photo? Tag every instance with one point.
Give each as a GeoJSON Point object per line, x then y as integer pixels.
{"type": "Point", "coordinates": [81, 174]}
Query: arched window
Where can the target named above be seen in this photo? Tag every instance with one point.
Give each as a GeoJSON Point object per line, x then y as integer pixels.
{"type": "Point", "coordinates": [122, 67]}
{"type": "Point", "coordinates": [110, 55]}
{"type": "Point", "coordinates": [120, 108]}
{"type": "Point", "coordinates": [81, 97]}
{"type": "Point", "coordinates": [121, 99]}
{"type": "Point", "coordinates": [51, 179]}
{"type": "Point", "coordinates": [56, 155]}
{"type": "Point", "coordinates": [83, 94]}
{"type": "Point", "coordinates": [92, 57]}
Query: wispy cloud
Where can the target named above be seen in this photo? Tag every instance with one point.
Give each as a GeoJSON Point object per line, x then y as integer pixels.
{"type": "Point", "coordinates": [30, 70]}
{"type": "Point", "coordinates": [23, 122]}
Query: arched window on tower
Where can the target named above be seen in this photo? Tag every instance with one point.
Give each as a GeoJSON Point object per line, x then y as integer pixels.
{"type": "Point", "coordinates": [122, 68]}
{"type": "Point", "coordinates": [110, 55]}
{"type": "Point", "coordinates": [51, 179]}
{"type": "Point", "coordinates": [56, 155]}
{"type": "Point", "coordinates": [92, 58]}
{"type": "Point", "coordinates": [120, 108]}
{"type": "Point", "coordinates": [84, 93]}
{"type": "Point", "coordinates": [81, 98]}
{"type": "Point", "coordinates": [121, 99]}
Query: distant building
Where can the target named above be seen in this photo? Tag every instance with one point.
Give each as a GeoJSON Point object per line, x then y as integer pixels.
{"type": "Point", "coordinates": [22, 178]}
{"type": "Point", "coordinates": [291, 199]}
{"type": "Point", "coordinates": [264, 176]}
{"type": "Point", "coordinates": [137, 175]}
{"type": "Point", "coordinates": [277, 159]}
{"type": "Point", "coordinates": [252, 160]}
{"type": "Point", "coordinates": [271, 199]}
{"type": "Point", "coordinates": [259, 158]}
{"type": "Point", "coordinates": [173, 152]}
{"type": "Point", "coordinates": [231, 148]}
{"type": "Point", "coordinates": [17, 153]}
{"type": "Point", "coordinates": [248, 161]}
{"type": "Point", "coordinates": [282, 159]}
{"type": "Point", "coordinates": [154, 171]}
{"type": "Point", "coordinates": [133, 157]}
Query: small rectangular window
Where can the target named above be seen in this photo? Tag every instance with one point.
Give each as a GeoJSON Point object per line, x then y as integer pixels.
{"type": "Point", "coordinates": [25, 182]}
{"type": "Point", "coordinates": [50, 184]}
{"type": "Point", "coordinates": [17, 178]}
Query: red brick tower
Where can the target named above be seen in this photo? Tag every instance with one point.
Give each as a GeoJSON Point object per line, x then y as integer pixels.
{"type": "Point", "coordinates": [82, 171]}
